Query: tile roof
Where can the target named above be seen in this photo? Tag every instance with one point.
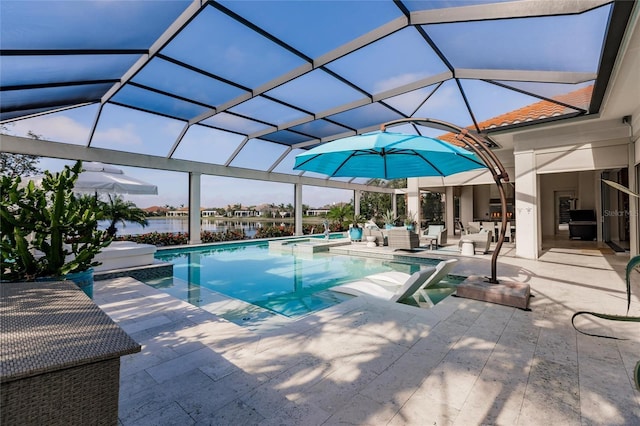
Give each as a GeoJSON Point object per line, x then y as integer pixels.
{"type": "Point", "coordinates": [538, 111]}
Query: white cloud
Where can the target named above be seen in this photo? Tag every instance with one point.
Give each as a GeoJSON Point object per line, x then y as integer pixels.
{"type": "Point", "coordinates": [53, 128]}
{"type": "Point", "coordinates": [174, 127]}
{"type": "Point", "coordinates": [125, 135]}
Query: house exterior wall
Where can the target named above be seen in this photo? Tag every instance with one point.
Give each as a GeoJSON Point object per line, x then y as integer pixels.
{"type": "Point", "coordinates": [592, 156]}
{"type": "Point", "coordinates": [564, 158]}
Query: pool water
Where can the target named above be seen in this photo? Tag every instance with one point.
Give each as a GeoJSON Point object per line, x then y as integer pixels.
{"type": "Point", "coordinates": [289, 284]}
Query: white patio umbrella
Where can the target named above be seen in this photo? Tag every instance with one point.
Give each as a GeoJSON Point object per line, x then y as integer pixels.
{"type": "Point", "coordinates": [99, 178]}
{"type": "Point", "coordinates": [103, 178]}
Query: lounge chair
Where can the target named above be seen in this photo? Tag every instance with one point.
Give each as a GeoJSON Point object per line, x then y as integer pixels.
{"type": "Point", "coordinates": [397, 278]}
{"type": "Point", "coordinates": [370, 288]}
{"type": "Point", "coordinates": [394, 279]}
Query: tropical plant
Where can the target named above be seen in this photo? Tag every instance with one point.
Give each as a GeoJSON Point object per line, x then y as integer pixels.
{"type": "Point", "coordinates": [46, 230]}
{"type": "Point", "coordinates": [410, 218]}
{"type": "Point", "coordinates": [118, 210]}
{"type": "Point", "coordinates": [389, 218]}
{"type": "Point", "coordinates": [340, 213]}
{"type": "Point", "coordinates": [14, 165]}
{"type": "Point", "coordinates": [356, 220]}
{"type": "Point", "coordinates": [432, 207]}
{"type": "Point", "coordinates": [274, 231]}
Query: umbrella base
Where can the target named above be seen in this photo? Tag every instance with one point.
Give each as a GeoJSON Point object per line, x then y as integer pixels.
{"type": "Point", "coordinates": [509, 293]}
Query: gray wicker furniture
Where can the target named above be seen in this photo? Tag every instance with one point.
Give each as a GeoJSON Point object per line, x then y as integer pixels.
{"type": "Point", "coordinates": [402, 238]}
{"type": "Point", "coordinates": [59, 356]}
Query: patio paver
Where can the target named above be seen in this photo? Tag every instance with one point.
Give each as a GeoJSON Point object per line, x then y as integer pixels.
{"type": "Point", "coordinates": [370, 362]}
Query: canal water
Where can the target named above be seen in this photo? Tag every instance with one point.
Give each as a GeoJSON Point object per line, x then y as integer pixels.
{"type": "Point", "coordinates": [182, 225]}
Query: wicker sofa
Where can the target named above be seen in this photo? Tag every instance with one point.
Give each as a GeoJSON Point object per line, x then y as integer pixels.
{"type": "Point", "coordinates": [402, 238]}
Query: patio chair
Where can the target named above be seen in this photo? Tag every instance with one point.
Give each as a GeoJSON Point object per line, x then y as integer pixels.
{"type": "Point", "coordinates": [435, 232]}
{"type": "Point", "coordinates": [402, 238]}
{"type": "Point", "coordinates": [460, 227]}
{"type": "Point", "coordinates": [393, 279]}
{"type": "Point", "coordinates": [490, 226]}
{"type": "Point", "coordinates": [481, 239]}
{"type": "Point", "coordinates": [473, 228]}
{"type": "Point", "coordinates": [369, 288]}
{"type": "Point", "coordinates": [508, 234]}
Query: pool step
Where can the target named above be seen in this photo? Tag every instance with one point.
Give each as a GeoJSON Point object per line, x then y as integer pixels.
{"type": "Point", "coordinates": [306, 245]}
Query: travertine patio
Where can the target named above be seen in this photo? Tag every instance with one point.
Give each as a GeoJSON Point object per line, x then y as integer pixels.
{"type": "Point", "coordinates": [367, 362]}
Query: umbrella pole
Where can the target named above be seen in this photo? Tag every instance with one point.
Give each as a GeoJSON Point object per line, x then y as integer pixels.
{"type": "Point", "coordinates": [492, 162]}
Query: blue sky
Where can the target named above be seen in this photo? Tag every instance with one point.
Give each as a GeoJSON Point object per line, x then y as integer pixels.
{"type": "Point", "coordinates": [219, 45]}
{"type": "Point", "coordinates": [73, 127]}
{"type": "Point", "coordinates": [130, 130]}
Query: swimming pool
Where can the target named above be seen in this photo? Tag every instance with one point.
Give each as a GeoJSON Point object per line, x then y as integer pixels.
{"type": "Point", "coordinates": [288, 283]}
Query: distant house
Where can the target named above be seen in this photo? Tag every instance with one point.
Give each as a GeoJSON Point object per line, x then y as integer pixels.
{"type": "Point", "coordinates": [156, 210]}
{"type": "Point", "coordinates": [246, 213]}
{"type": "Point", "coordinates": [317, 212]}
{"type": "Point", "coordinates": [181, 212]}
{"type": "Point", "coordinates": [184, 212]}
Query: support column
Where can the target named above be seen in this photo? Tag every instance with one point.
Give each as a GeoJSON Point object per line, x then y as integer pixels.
{"type": "Point", "coordinates": [466, 205]}
{"type": "Point", "coordinates": [194, 208]}
{"type": "Point", "coordinates": [357, 195]}
{"type": "Point", "coordinates": [413, 201]}
{"type": "Point", "coordinates": [298, 208]}
{"type": "Point", "coordinates": [449, 210]}
{"type": "Point", "coordinates": [394, 204]}
{"type": "Point", "coordinates": [634, 220]}
{"type": "Point", "coordinates": [529, 239]}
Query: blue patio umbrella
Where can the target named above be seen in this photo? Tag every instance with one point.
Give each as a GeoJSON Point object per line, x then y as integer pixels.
{"type": "Point", "coordinates": [388, 155]}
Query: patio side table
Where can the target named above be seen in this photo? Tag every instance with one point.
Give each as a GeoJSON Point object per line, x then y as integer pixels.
{"type": "Point", "coordinates": [59, 356]}
{"type": "Point", "coordinates": [467, 247]}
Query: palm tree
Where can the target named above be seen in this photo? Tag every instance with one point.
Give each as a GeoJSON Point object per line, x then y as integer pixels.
{"type": "Point", "coordinates": [118, 210]}
{"type": "Point", "coordinates": [340, 213]}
